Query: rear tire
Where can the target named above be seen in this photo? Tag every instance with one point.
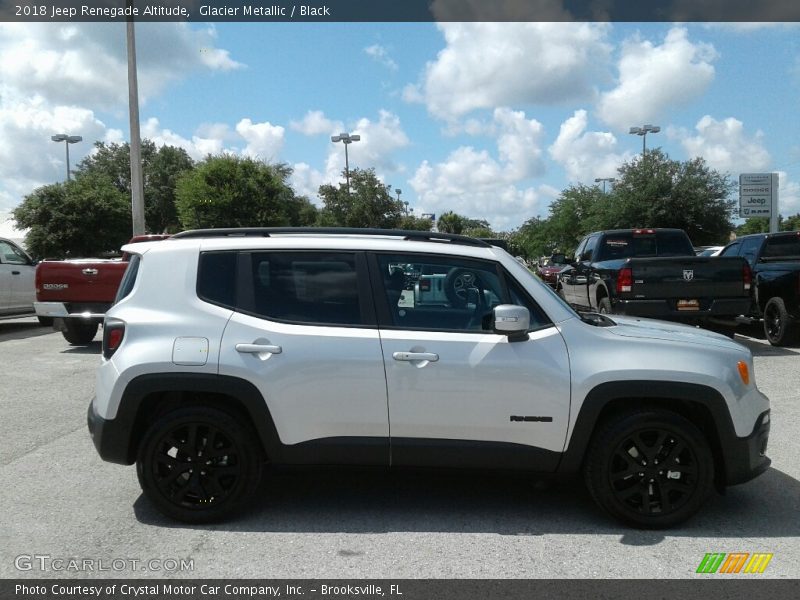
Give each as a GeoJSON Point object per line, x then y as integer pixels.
{"type": "Point", "coordinates": [778, 326]}
{"type": "Point", "coordinates": [79, 333]}
{"type": "Point", "coordinates": [623, 473]}
{"type": "Point", "coordinates": [199, 464]}
{"type": "Point", "coordinates": [46, 321]}
{"type": "Point", "coordinates": [604, 306]}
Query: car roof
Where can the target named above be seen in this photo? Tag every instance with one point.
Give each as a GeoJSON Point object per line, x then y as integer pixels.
{"type": "Point", "coordinates": [386, 240]}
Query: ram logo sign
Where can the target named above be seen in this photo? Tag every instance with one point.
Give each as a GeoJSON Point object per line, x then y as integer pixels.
{"type": "Point", "coordinates": [688, 274]}
{"type": "Point", "coordinates": [735, 562]}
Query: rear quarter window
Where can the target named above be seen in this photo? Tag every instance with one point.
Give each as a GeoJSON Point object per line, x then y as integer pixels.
{"type": "Point", "coordinates": [128, 278]}
{"type": "Point", "coordinates": [216, 278]}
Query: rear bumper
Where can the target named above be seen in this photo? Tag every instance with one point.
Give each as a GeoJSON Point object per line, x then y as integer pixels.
{"type": "Point", "coordinates": [90, 311]}
{"type": "Point", "coordinates": [110, 437]}
{"type": "Point", "coordinates": [666, 309]}
{"type": "Point", "coordinates": [746, 458]}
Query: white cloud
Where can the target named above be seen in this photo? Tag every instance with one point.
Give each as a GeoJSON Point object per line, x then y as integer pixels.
{"type": "Point", "coordinates": [586, 155]}
{"type": "Point", "coordinates": [724, 145]}
{"type": "Point", "coordinates": [474, 183]}
{"type": "Point", "coordinates": [198, 147]}
{"type": "Point", "coordinates": [788, 195]}
{"type": "Point", "coordinates": [306, 181]}
{"type": "Point", "coordinates": [28, 158]}
{"type": "Point", "coordinates": [485, 65]}
{"type": "Point", "coordinates": [379, 141]}
{"type": "Point", "coordinates": [264, 140]}
{"type": "Point", "coordinates": [381, 55]}
{"type": "Point", "coordinates": [653, 79]}
{"type": "Point", "coordinates": [70, 63]}
{"type": "Point", "coordinates": [316, 123]}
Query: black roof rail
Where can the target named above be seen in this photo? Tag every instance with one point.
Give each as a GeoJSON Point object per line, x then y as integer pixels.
{"type": "Point", "coordinates": [418, 236]}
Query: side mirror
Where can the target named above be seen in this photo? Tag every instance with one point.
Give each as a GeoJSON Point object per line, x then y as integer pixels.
{"type": "Point", "coordinates": [511, 320]}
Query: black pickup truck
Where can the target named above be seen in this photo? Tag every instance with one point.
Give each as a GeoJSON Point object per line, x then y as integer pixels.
{"type": "Point", "coordinates": [654, 273]}
{"type": "Point", "coordinates": [775, 261]}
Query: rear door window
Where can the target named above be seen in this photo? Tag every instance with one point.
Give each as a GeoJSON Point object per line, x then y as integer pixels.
{"type": "Point", "coordinates": [315, 288]}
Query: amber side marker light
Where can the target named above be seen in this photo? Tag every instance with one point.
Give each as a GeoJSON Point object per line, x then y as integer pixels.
{"type": "Point", "coordinates": [744, 372]}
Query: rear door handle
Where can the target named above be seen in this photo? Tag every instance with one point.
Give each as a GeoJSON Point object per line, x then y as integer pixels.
{"type": "Point", "coordinates": [15, 272]}
{"type": "Point", "coordinates": [414, 356]}
{"type": "Point", "coordinates": [258, 348]}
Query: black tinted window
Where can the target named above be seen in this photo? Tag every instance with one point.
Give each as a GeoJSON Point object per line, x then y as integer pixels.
{"type": "Point", "coordinates": [673, 244]}
{"type": "Point", "coordinates": [750, 249]}
{"type": "Point", "coordinates": [216, 279]}
{"type": "Point", "coordinates": [629, 244]}
{"type": "Point", "coordinates": [788, 246]}
{"type": "Point", "coordinates": [129, 278]}
{"type": "Point", "coordinates": [306, 287]}
{"type": "Point", "coordinates": [732, 250]}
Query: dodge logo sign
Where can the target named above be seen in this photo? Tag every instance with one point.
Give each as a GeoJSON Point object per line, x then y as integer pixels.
{"type": "Point", "coordinates": [688, 274]}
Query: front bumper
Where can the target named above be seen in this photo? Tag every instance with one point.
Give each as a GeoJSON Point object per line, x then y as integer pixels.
{"type": "Point", "coordinates": [666, 309]}
{"type": "Point", "coordinates": [746, 458]}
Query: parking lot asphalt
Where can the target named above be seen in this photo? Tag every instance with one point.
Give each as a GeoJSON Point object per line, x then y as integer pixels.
{"type": "Point", "coordinates": [60, 500]}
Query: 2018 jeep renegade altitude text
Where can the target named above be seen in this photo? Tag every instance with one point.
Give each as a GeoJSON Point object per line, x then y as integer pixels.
{"type": "Point", "coordinates": [230, 350]}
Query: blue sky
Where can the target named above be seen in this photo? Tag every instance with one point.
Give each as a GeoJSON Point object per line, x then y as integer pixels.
{"type": "Point", "coordinates": [489, 120]}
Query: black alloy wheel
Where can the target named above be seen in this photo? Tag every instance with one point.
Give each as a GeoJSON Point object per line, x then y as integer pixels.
{"type": "Point", "coordinates": [198, 464]}
{"type": "Point", "coordinates": [650, 468]}
{"type": "Point", "coordinates": [653, 472]}
{"type": "Point", "coordinates": [777, 323]}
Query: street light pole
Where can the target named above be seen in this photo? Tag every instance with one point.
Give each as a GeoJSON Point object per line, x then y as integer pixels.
{"type": "Point", "coordinates": [643, 131]}
{"type": "Point", "coordinates": [67, 139]}
{"type": "Point", "coordinates": [137, 180]}
{"type": "Point", "coordinates": [346, 139]}
{"type": "Point", "coordinates": [604, 180]}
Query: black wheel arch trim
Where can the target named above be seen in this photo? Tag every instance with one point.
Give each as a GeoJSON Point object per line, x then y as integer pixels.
{"type": "Point", "coordinates": [116, 439]}
{"type": "Point", "coordinates": [736, 454]}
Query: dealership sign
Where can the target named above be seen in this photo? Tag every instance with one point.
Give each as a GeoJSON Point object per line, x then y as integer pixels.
{"type": "Point", "coordinates": [758, 195]}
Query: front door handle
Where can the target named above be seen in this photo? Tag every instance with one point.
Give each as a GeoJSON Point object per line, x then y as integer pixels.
{"type": "Point", "coordinates": [258, 348]}
{"type": "Point", "coordinates": [414, 356]}
{"type": "Point", "coordinates": [15, 272]}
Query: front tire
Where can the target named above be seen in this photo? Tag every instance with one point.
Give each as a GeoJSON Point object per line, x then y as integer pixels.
{"type": "Point", "coordinates": [778, 325]}
{"type": "Point", "coordinates": [649, 468]}
{"type": "Point", "coordinates": [45, 321]}
{"type": "Point", "coordinates": [79, 333]}
{"type": "Point", "coordinates": [199, 464]}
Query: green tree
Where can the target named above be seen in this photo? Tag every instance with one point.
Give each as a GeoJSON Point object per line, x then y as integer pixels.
{"type": "Point", "coordinates": [233, 191]}
{"type": "Point", "coordinates": [161, 167]}
{"type": "Point", "coordinates": [369, 204]}
{"type": "Point", "coordinates": [791, 223]}
{"type": "Point", "coordinates": [761, 225]}
{"type": "Point", "coordinates": [415, 223]}
{"type": "Point", "coordinates": [655, 191]}
{"type": "Point", "coordinates": [83, 217]}
{"type": "Point", "coordinates": [572, 215]}
{"type": "Point", "coordinates": [754, 225]}
{"type": "Point", "coordinates": [451, 222]}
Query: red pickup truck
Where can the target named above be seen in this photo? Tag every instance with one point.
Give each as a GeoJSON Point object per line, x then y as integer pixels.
{"type": "Point", "coordinates": [76, 293]}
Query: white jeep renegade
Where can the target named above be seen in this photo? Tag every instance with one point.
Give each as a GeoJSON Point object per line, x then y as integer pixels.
{"type": "Point", "coordinates": [229, 350]}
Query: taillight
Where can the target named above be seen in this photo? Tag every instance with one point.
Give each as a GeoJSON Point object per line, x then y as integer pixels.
{"type": "Point", "coordinates": [747, 276]}
{"type": "Point", "coordinates": [113, 334]}
{"type": "Point", "coordinates": [624, 280]}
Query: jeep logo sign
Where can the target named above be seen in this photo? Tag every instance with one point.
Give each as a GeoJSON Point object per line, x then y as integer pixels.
{"type": "Point", "coordinates": [688, 274]}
